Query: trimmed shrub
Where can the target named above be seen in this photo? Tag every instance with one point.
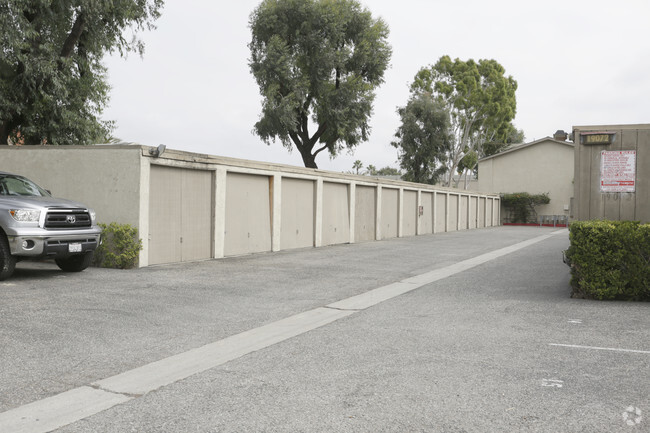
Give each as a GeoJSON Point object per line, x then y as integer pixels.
{"type": "Point", "coordinates": [119, 248]}
{"type": "Point", "coordinates": [521, 205]}
{"type": "Point", "coordinates": [610, 260]}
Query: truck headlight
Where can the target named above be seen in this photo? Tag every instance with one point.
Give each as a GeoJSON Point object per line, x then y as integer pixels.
{"type": "Point", "coordinates": [25, 215]}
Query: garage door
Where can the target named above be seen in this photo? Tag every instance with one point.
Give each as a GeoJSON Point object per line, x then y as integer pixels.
{"type": "Point", "coordinates": [180, 215]}
{"type": "Point", "coordinates": [248, 214]}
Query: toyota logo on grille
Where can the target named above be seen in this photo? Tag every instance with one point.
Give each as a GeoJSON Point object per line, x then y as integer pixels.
{"type": "Point", "coordinates": [71, 219]}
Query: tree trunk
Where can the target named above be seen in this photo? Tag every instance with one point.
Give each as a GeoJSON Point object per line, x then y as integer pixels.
{"type": "Point", "coordinates": [4, 132]}
{"type": "Point", "coordinates": [308, 159]}
{"type": "Point", "coordinates": [72, 39]}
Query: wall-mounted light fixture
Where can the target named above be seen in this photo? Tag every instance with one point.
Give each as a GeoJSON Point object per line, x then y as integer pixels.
{"type": "Point", "coordinates": [157, 151]}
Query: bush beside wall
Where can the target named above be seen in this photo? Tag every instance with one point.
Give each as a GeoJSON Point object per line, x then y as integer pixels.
{"type": "Point", "coordinates": [119, 248]}
{"type": "Point", "coordinates": [521, 206]}
{"type": "Point", "coordinates": [610, 260]}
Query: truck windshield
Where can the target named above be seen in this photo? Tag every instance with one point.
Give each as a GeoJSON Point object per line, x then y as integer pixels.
{"type": "Point", "coordinates": [18, 185]}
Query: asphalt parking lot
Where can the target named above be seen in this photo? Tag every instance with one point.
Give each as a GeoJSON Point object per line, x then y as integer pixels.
{"type": "Point", "coordinates": [456, 332]}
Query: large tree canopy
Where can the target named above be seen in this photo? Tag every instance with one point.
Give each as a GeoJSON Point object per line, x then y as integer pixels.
{"type": "Point", "coordinates": [481, 101]}
{"type": "Point", "coordinates": [52, 82]}
{"type": "Point", "coordinates": [424, 139]}
{"type": "Point", "coordinates": [317, 63]}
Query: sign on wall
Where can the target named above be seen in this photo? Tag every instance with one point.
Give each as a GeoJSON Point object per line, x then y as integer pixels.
{"type": "Point", "coordinates": [593, 137]}
{"type": "Point", "coordinates": [617, 171]}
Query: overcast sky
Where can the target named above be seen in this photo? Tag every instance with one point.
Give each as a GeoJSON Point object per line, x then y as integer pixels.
{"type": "Point", "coordinates": [576, 63]}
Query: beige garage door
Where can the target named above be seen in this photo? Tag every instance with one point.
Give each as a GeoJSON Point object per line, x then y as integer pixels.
{"type": "Point", "coordinates": [180, 215]}
{"type": "Point", "coordinates": [248, 214]}
{"type": "Point", "coordinates": [365, 219]}
{"type": "Point", "coordinates": [297, 213]}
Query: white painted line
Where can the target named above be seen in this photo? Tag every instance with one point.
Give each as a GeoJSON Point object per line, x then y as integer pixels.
{"type": "Point", "coordinates": [169, 370]}
{"type": "Point", "coordinates": [60, 410]}
{"type": "Point", "coordinates": [553, 383]}
{"type": "Point", "coordinates": [65, 408]}
{"type": "Point", "coordinates": [611, 349]}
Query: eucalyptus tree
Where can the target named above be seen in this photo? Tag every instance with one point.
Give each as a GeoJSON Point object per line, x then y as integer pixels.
{"type": "Point", "coordinates": [481, 102]}
{"type": "Point", "coordinates": [317, 64]}
{"type": "Point", "coordinates": [424, 139]}
{"type": "Point", "coordinates": [53, 85]}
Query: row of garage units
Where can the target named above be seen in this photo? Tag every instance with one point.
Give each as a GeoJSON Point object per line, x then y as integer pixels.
{"type": "Point", "coordinates": [188, 206]}
{"type": "Point", "coordinates": [229, 212]}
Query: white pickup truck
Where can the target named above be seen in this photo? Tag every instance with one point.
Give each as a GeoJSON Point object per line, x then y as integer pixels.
{"type": "Point", "coordinates": [35, 225]}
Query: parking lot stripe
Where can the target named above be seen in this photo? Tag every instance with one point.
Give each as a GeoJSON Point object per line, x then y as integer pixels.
{"type": "Point", "coordinates": [611, 349]}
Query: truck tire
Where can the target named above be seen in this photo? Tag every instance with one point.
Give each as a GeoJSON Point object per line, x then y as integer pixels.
{"type": "Point", "coordinates": [76, 263]}
{"type": "Point", "coordinates": [7, 261]}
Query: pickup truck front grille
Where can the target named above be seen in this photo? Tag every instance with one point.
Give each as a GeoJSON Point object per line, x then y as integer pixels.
{"type": "Point", "coordinates": [67, 219]}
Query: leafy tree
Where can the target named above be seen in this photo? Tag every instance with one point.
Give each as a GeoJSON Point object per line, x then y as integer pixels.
{"type": "Point", "coordinates": [52, 83]}
{"type": "Point", "coordinates": [371, 170]}
{"type": "Point", "coordinates": [480, 99]}
{"type": "Point", "coordinates": [317, 64]}
{"type": "Point", "coordinates": [514, 136]}
{"type": "Point", "coordinates": [358, 165]}
{"type": "Point", "coordinates": [388, 171]}
{"type": "Point", "coordinates": [424, 140]}
{"type": "Point", "coordinates": [468, 165]}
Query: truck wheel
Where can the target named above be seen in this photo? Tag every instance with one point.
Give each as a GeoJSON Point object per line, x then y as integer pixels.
{"type": "Point", "coordinates": [76, 263]}
{"type": "Point", "coordinates": [7, 261]}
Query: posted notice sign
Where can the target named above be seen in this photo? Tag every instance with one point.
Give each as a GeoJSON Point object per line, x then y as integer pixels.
{"type": "Point", "coordinates": [617, 171]}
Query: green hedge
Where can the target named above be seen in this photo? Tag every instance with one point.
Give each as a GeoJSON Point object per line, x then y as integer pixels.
{"type": "Point", "coordinates": [610, 260]}
{"type": "Point", "coordinates": [521, 205]}
{"type": "Point", "coordinates": [119, 248]}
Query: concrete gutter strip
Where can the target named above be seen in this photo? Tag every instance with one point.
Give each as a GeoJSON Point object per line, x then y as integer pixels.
{"type": "Point", "coordinates": [58, 411]}
{"type": "Point", "coordinates": [373, 297]}
{"type": "Point", "coordinates": [381, 294]}
{"type": "Point", "coordinates": [178, 367]}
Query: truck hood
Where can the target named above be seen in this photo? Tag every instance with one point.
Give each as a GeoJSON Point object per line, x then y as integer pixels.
{"type": "Point", "coordinates": [23, 202]}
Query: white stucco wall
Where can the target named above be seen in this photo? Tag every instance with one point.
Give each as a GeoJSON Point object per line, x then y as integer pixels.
{"type": "Point", "coordinates": [105, 178]}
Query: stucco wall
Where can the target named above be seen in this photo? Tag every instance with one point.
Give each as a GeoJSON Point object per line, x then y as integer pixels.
{"type": "Point", "coordinates": [545, 166]}
{"type": "Point", "coordinates": [107, 179]}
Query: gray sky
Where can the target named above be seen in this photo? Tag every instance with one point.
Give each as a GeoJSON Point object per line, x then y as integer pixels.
{"type": "Point", "coordinates": [576, 62]}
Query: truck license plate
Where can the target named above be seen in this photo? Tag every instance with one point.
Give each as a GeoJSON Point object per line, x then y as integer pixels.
{"type": "Point", "coordinates": [74, 248]}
